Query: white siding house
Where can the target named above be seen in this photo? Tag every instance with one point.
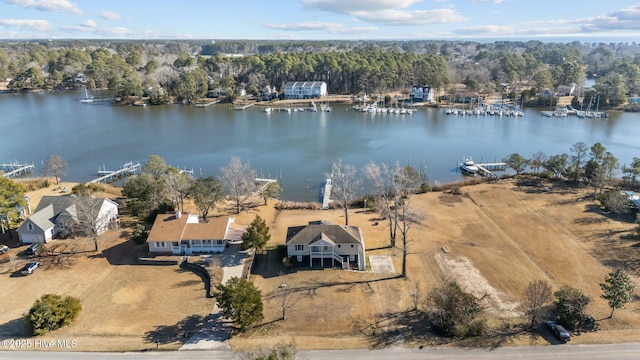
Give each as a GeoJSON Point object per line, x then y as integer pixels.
{"type": "Point", "coordinates": [421, 93]}
{"type": "Point", "coordinates": [59, 215]}
{"type": "Point", "coordinates": [305, 89]}
{"type": "Point", "coordinates": [327, 243]}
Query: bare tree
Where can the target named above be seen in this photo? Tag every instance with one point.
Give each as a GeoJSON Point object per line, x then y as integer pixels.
{"type": "Point", "coordinates": [12, 259]}
{"type": "Point", "coordinates": [407, 218]}
{"type": "Point", "coordinates": [239, 181]}
{"type": "Point", "coordinates": [416, 295]}
{"type": "Point", "coordinates": [535, 298]}
{"type": "Point", "coordinates": [178, 185]}
{"type": "Point", "coordinates": [54, 166]}
{"type": "Point", "coordinates": [385, 189]}
{"type": "Point", "coordinates": [537, 161]}
{"type": "Point", "coordinates": [286, 299]}
{"type": "Point", "coordinates": [345, 184]}
{"type": "Point", "coordinates": [89, 220]}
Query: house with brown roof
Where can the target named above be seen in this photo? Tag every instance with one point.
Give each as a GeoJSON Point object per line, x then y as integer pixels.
{"type": "Point", "coordinates": [328, 244]}
{"type": "Point", "coordinates": [179, 233]}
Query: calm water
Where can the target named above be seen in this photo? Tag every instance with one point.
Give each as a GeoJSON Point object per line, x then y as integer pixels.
{"type": "Point", "coordinates": [298, 146]}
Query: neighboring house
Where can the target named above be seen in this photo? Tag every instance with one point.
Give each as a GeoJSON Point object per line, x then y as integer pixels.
{"type": "Point", "coordinates": [178, 233]}
{"type": "Point", "coordinates": [547, 93]}
{"type": "Point", "coordinates": [566, 90]}
{"type": "Point", "coordinates": [56, 216]}
{"type": "Point", "coordinates": [80, 78]}
{"type": "Point", "coordinates": [268, 92]}
{"type": "Point", "coordinates": [322, 240]}
{"type": "Point", "coordinates": [305, 89]}
{"type": "Point", "coordinates": [421, 93]}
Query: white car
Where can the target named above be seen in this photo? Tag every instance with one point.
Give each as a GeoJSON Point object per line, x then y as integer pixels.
{"type": "Point", "coordinates": [30, 268]}
{"type": "Point", "coordinates": [3, 249]}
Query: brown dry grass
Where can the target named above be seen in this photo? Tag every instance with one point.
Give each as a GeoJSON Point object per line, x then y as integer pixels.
{"type": "Point", "coordinates": [503, 234]}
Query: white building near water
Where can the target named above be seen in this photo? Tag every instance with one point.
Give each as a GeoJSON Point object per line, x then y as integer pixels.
{"type": "Point", "coordinates": [305, 89]}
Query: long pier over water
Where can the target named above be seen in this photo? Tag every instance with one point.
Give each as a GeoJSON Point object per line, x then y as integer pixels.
{"type": "Point", "coordinates": [15, 169]}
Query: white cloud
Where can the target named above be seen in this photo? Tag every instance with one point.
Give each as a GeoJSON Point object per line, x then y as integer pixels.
{"type": "Point", "coordinates": [492, 1]}
{"type": "Point", "coordinates": [329, 27]}
{"type": "Point", "coordinates": [110, 15]}
{"type": "Point", "coordinates": [348, 7]}
{"type": "Point", "coordinates": [36, 25]}
{"type": "Point", "coordinates": [416, 17]}
{"type": "Point", "coordinates": [386, 12]}
{"type": "Point", "coordinates": [90, 24]}
{"type": "Point", "coordinates": [48, 5]}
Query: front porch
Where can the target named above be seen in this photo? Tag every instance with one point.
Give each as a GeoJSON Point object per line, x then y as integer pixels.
{"type": "Point", "coordinates": [188, 247]}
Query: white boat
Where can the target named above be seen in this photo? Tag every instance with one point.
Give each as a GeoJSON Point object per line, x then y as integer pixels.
{"type": "Point", "coordinates": [267, 110]}
{"type": "Point", "coordinates": [468, 166]}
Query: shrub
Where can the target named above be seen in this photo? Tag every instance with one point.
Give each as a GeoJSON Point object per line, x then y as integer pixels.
{"type": "Point", "coordinates": [52, 312]}
{"type": "Point", "coordinates": [139, 235]}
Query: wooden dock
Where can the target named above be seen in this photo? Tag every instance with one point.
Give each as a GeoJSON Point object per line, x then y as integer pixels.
{"type": "Point", "coordinates": [208, 103]}
{"type": "Point", "coordinates": [15, 169]}
{"type": "Point", "coordinates": [264, 186]}
{"type": "Point", "coordinates": [326, 194]}
{"type": "Point", "coordinates": [486, 169]}
{"type": "Point", "coordinates": [111, 175]}
{"type": "Point", "coordinates": [243, 106]}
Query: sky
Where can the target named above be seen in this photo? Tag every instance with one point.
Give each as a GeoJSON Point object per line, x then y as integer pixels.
{"type": "Point", "coordinates": [549, 20]}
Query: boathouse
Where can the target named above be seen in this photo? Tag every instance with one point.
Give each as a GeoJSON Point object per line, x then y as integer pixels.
{"type": "Point", "coordinates": [305, 89]}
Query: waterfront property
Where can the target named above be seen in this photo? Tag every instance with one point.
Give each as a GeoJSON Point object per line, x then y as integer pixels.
{"type": "Point", "coordinates": [178, 233]}
{"type": "Point", "coordinates": [421, 93]}
{"type": "Point", "coordinates": [322, 240]}
{"type": "Point", "coordinates": [305, 89]}
{"type": "Point", "coordinates": [58, 216]}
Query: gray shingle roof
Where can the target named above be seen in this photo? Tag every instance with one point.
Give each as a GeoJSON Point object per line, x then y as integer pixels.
{"type": "Point", "coordinates": [320, 230]}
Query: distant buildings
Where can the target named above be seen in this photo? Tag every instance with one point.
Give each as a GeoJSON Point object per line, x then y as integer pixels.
{"type": "Point", "coordinates": [421, 93]}
{"type": "Point", "coordinates": [305, 89]}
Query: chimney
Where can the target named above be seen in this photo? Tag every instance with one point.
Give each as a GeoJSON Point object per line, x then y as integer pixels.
{"type": "Point", "coordinates": [178, 213]}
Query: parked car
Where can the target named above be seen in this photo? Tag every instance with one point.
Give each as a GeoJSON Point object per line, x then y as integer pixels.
{"type": "Point", "coordinates": [32, 249]}
{"type": "Point", "coordinates": [3, 249]}
{"type": "Point", "coordinates": [29, 268]}
{"type": "Point", "coordinates": [558, 331]}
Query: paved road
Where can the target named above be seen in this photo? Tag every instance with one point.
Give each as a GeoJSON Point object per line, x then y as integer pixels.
{"type": "Point", "coordinates": [593, 352]}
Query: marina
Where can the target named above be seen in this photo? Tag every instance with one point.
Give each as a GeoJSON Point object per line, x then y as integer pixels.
{"type": "Point", "coordinates": [300, 145]}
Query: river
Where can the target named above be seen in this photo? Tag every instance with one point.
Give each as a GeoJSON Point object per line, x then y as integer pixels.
{"type": "Point", "coordinates": [295, 146]}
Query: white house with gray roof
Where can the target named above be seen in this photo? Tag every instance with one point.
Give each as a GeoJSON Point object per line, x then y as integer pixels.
{"type": "Point", "coordinates": [56, 215]}
{"type": "Point", "coordinates": [326, 242]}
{"type": "Point", "coordinates": [305, 89]}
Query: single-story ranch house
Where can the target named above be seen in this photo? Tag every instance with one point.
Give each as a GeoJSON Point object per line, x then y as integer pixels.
{"type": "Point", "coordinates": [322, 240]}
{"type": "Point", "coordinates": [178, 233]}
{"type": "Point", "coordinates": [56, 216]}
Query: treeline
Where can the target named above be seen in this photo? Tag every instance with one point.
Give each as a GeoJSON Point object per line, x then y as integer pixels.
{"type": "Point", "coordinates": [188, 70]}
{"type": "Point", "coordinates": [594, 166]}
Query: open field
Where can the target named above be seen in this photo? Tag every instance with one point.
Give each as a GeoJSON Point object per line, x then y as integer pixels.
{"type": "Point", "coordinates": [497, 236]}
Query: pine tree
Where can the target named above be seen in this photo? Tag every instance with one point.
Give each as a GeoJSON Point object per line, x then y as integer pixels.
{"type": "Point", "coordinates": [617, 289]}
{"type": "Point", "coordinates": [256, 236]}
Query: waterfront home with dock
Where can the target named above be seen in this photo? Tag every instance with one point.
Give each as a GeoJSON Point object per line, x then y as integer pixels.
{"type": "Point", "coordinates": [178, 233]}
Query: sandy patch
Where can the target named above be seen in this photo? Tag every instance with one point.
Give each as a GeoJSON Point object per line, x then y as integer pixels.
{"type": "Point", "coordinates": [470, 279]}
{"type": "Point", "coordinates": [381, 264]}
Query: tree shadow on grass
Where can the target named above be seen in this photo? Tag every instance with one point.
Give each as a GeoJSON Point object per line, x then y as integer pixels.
{"type": "Point", "coordinates": [14, 328]}
{"type": "Point", "coordinates": [395, 328]}
{"type": "Point", "coordinates": [495, 338]}
{"type": "Point", "coordinates": [178, 332]}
